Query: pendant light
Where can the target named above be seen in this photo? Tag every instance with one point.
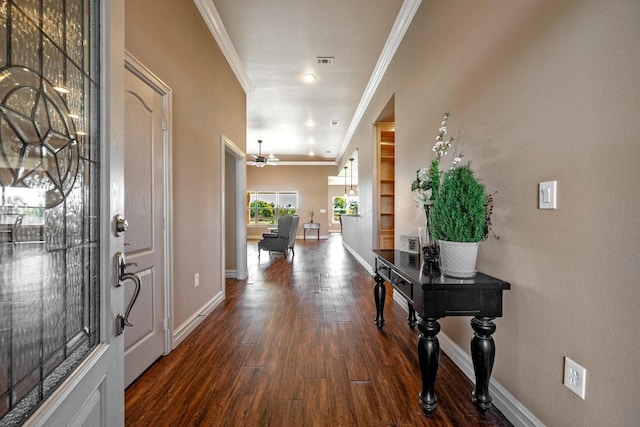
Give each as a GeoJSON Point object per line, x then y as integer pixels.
{"type": "Point", "coordinates": [345, 182]}
{"type": "Point", "coordinates": [351, 188]}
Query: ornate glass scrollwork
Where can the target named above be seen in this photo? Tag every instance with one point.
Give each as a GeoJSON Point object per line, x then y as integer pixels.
{"type": "Point", "coordinates": [38, 140]}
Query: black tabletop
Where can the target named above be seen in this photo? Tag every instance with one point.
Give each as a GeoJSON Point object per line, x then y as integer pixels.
{"type": "Point", "coordinates": [409, 264]}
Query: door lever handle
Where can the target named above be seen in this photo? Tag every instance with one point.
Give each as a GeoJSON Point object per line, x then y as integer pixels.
{"type": "Point", "coordinates": [122, 321]}
{"type": "Point", "coordinates": [123, 276]}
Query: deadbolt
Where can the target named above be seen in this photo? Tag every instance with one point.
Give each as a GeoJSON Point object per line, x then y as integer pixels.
{"type": "Point", "coordinates": [121, 225]}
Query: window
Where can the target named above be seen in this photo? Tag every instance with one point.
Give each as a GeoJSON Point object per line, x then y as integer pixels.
{"type": "Point", "coordinates": [339, 204]}
{"type": "Point", "coordinates": [343, 205]}
{"type": "Point", "coordinates": [265, 207]}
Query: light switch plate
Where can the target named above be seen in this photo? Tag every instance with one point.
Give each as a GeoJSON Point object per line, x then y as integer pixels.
{"type": "Point", "coordinates": [547, 195]}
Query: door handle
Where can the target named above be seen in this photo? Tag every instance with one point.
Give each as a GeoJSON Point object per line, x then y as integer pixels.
{"type": "Point", "coordinates": [123, 276]}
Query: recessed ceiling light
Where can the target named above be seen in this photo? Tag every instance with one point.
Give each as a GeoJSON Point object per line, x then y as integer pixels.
{"type": "Point", "coordinates": [309, 78]}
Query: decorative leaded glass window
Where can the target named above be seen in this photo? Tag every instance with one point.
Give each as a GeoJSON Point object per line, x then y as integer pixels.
{"type": "Point", "coordinates": [49, 211]}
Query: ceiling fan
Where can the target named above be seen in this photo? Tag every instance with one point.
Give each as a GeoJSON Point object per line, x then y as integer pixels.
{"type": "Point", "coordinates": [261, 161]}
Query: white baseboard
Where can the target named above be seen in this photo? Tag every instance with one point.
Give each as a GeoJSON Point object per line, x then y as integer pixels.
{"type": "Point", "coordinates": [358, 258]}
{"type": "Point", "coordinates": [398, 298]}
{"type": "Point", "coordinates": [183, 331]}
{"type": "Point", "coordinates": [231, 274]}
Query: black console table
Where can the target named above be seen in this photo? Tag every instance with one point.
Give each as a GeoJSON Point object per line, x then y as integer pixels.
{"type": "Point", "coordinates": [433, 296]}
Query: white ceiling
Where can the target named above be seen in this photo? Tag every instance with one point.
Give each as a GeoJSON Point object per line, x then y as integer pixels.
{"type": "Point", "coordinates": [276, 42]}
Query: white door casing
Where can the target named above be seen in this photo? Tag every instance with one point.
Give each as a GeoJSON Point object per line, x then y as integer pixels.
{"type": "Point", "coordinates": [227, 146]}
{"type": "Point", "coordinates": [147, 104]}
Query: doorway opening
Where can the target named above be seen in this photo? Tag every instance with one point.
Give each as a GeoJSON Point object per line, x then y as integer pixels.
{"type": "Point", "coordinates": [234, 245]}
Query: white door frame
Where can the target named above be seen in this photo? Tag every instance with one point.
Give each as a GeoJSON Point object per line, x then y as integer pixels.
{"type": "Point", "coordinates": [142, 72]}
{"type": "Point", "coordinates": [227, 146]}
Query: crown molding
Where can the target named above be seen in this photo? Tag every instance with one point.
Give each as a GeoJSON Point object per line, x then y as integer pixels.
{"type": "Point", "coordinates": [214, 22]}
{"type": "Point", "coordinates": [400, 27]}
{"type": "Point", "coordinates": [302, 163]}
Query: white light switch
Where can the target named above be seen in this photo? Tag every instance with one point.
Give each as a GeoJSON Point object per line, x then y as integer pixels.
{"type": "Point", "coordinates": [547, 195]}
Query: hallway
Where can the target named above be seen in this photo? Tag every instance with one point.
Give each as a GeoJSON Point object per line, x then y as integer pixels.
{"type": "Point", "coordinates": [296, 345]}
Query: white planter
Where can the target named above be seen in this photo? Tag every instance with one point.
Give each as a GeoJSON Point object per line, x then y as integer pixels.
{"type": "Point", "coordinates": [458, 259]}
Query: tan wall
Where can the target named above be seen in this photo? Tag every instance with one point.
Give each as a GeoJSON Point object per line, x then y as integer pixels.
{"type": "Point", "coordinates": [311, 183]}
{"type": "Point", "coordinates": [539, 91]}
{"type": "Point", "coordinates": [172, 40]}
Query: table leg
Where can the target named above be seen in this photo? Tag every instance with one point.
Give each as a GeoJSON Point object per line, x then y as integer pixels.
{"type": "Point", "coordinates": [411, 320]}
{"type": "Point", "coordinates": [379, 293]}
{"type": "Point", "coordinates": [429, 357]}
{"type": "Point", "coordinates": [483, 351]}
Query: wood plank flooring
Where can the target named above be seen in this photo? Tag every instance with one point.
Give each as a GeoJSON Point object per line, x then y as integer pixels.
{"type": "Point", "coordinates": [296, 345]}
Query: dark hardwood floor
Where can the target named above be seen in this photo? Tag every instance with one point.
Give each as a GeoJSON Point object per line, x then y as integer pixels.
{"type": "Point", "coordinates": [296, 345]}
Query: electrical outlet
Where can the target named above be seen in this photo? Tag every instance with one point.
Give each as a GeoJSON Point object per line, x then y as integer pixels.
{"type": "Point", "coordinates": [575, 377]}
{"type": "Point", "coordinates": [196, 280]}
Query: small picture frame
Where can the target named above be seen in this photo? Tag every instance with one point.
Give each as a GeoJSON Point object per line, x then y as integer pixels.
{"type": "Point", "coordinates": [409, 244]}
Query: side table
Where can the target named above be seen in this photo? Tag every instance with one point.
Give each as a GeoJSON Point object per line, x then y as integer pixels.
{"type": "Point", "coordinates": [310, 226]}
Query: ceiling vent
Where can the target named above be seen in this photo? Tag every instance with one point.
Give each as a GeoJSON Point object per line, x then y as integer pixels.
{"type": "Point", "coordinates": [334, 123]}
{"type": "Point", "coordinates": [325, 60]}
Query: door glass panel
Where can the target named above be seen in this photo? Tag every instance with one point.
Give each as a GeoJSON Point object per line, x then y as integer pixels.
{"type": "Point", "coordinates": [49, 212]}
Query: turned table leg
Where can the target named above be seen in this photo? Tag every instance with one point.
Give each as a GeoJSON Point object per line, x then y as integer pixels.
{"type": "Point", "coordinates": [483, 351]}
{"type": "Point", "coordinates": [379, 293]}
{"type": "Point", "coordinates": [411, 320]}
{"type": "Point", "coordinates": [429, 357]}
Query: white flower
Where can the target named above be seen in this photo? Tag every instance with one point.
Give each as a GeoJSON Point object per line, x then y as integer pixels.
{"type": "Point", "coordinates": [423, 174]}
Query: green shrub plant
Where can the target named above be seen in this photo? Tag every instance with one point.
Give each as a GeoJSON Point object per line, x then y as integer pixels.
{"type": "Point", "coordinates": [459, 211]}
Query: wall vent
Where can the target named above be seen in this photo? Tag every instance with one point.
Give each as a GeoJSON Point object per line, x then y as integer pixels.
{"type": "Point", "coordinates": [325, 60]}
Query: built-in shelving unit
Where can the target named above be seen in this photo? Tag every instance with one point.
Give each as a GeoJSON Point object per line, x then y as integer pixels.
{"type": "Point", "coordinates": [385, 133]}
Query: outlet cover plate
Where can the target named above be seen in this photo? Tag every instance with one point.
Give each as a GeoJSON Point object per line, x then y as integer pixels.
{"type": "Point", "coordinates": [575, 377]}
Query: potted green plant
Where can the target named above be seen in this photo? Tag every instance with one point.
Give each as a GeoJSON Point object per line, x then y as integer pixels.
{"type": "Point", "coordinates": [459, 221]}
{"type": "Point", "coordinates": [353, 207]}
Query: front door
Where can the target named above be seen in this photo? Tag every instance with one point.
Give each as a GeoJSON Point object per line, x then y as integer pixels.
{"type": "Point", "coordinates": [61, 172]}
{"type": "Point", "coordinates": [145, 240]}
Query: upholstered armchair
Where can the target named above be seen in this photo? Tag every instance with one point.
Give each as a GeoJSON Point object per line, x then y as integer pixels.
{"type": "Point", "coordinates": [284, 239]}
